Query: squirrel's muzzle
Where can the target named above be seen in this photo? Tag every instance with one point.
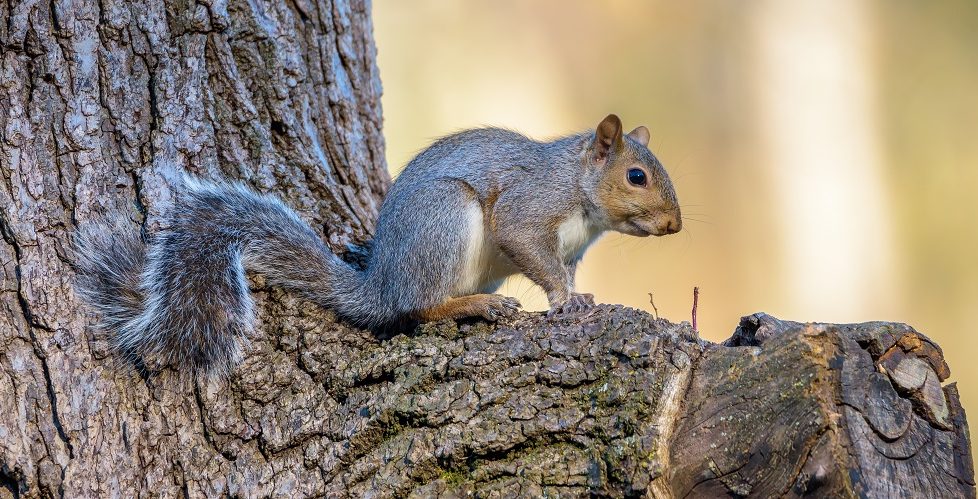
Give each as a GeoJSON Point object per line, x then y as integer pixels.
{"type": "Point", "coordinates": [666, 223]}
{"type": "Point", "coordinates": [670, 224]}
{"type": "Point", "coordinates": [660, 224]}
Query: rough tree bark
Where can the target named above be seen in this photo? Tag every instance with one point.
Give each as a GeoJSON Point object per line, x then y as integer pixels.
{"type": "Point", "coordinates": [104, 103]}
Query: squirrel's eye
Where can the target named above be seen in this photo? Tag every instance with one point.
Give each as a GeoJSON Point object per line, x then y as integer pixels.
{"type": "Point", "coordinates": [636, 177]}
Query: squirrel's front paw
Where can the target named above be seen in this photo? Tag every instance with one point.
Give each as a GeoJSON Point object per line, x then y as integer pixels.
{"type": "Point", "coordinates": [578, 302]}
{"type": "Point", "coordinates": [499, 306]}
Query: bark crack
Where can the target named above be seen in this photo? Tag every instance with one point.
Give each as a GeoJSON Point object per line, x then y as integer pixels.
{"type": "Point", "coordinates": [39, 352]}
{"type": "Point", "coordinates": [672, 401]}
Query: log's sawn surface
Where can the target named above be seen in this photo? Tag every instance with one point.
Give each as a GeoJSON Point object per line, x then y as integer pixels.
{"type": "Point", "coordinates": [823, 409]}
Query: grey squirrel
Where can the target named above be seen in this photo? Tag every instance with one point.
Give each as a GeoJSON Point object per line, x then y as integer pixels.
{"type": "Point", "coordinates": [468, 211]}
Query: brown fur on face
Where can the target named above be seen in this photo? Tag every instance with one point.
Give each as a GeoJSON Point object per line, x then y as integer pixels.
{"type": "Point", "coordinates": [638, 210]}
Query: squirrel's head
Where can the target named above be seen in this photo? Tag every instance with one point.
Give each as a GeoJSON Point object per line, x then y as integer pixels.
{"type": "Point", "coordinates": [631, 185]}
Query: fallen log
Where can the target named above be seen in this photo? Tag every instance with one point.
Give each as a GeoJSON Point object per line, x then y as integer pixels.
{"type": "Point", "coordinates": [612, 402]}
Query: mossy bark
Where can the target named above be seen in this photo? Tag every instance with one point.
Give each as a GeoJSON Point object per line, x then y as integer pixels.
{"type": "Point", "coordinates": [103, 105]}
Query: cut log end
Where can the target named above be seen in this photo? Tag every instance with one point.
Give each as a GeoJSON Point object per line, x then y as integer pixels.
{"type": "Point", "coordinates": [859, 406]}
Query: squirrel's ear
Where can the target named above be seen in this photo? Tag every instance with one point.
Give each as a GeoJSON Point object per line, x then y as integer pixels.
{"type": "Point", "coordinates": [607, 137]}
{"type": "Point", "coordinates": [640, 135]}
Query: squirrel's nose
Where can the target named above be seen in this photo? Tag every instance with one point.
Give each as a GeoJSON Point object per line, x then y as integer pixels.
{"type": "Point", "coordinates": [671, 224]}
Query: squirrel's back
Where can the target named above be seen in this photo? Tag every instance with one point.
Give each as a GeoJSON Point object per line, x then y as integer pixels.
{"type": "Point", "coordinates": [483, 157]}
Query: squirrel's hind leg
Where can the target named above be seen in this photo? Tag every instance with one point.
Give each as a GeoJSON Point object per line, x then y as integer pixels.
{"type": "Point", "coordinates": [490, 307]}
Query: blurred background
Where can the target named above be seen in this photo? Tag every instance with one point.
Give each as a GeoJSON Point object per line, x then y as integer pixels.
{"type": "Point", "coordinates": [824, 152]}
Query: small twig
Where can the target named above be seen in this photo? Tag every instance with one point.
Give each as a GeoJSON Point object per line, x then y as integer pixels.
{"type": "Point", "coordinates": [696, 300]}
{"type": "Point", "coordinates": [652, 301]}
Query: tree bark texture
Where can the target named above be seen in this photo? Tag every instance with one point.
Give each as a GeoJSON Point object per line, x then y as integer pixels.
{"type": "Point", "coordinates": [104, 104]}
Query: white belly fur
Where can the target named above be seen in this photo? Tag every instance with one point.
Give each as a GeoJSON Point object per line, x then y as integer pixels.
{"type": "Point", "coordinates": [484, 265]}
{"type": "Point", "coordinates": [574, 235]}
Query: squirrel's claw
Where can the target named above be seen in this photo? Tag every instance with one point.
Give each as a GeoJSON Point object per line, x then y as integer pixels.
{"type": "Point", "coordinates": [500, 307]}
{"type": "Point", "coordinates": [578, 302]}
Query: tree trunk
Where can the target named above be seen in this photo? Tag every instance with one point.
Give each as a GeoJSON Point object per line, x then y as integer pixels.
{"type": "Point", "coordinates": [104, 104]}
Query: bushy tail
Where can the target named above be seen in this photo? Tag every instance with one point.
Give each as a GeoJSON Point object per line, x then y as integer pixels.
{"type": "Point", "coordinates": [183, 298]}
{"type": "Point", "coordinates": [109, 263]}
